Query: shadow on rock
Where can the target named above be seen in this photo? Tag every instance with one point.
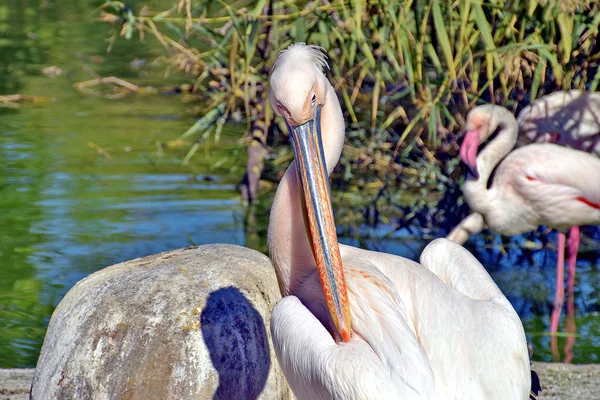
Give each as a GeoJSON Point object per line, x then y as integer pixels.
{"type": "Point", "coordinates": [236, 338]}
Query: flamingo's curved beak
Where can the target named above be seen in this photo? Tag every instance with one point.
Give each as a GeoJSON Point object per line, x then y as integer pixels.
{"type": "Point", "coordinates": [468, 151]}
{"type": "Point", "coordinates": [318, 216]}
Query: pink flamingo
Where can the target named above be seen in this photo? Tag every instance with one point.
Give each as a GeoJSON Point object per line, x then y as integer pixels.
{"type": "Point", "coordinates": [538, 184]}
{"type": "Point", "coordinates": [569, 118]}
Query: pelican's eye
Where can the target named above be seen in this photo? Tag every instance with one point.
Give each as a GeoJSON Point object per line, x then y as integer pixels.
{"type": "Point", "coordinates": [314, 99]}
{"type": "Point", "coordinates": [283, 109]}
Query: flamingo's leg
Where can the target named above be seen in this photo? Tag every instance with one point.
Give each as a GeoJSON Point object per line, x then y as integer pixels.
{"type": "Point", "coordinates": [559, 296]}
{"type": "Point", "coordinates": [572, 246]}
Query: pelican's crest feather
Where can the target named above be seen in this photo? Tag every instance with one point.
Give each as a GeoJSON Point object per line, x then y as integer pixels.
{"type": "Point", "coordinates": [316, 54]}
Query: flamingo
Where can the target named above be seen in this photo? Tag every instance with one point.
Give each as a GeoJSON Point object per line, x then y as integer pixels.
{"type": "Point", "coordinates": [358, 324]}
{"type": "Point", "coordinates": [570, 118]}
{"type": "Point", "coordinates": [538, 184]}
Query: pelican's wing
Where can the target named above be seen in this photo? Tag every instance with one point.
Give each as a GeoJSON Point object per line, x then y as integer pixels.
{"type": "Point", "coordinates": [459, 269]}
{"type": "Point", "coordinates": [383, 319]}
{"type": "Point", "coordinates": [318, 368]}
{"type": "Point", "coordinates": [480, 343]}
{"type": "Point", "coordinates": [473, 340]}
{"type": "Point", "coordinates": [471, 225]}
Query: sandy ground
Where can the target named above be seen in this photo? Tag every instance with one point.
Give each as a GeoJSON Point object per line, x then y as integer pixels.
{"type": "Point", "coordinates": [567, 381]}
{"type": "Point", "coordinates": [559, 381]}
{"type": "Point", "coordinates": [15, 383]}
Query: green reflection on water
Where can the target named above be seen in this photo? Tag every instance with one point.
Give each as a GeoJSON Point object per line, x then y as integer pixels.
{"type": "Point", "coordinates": [87, 182]}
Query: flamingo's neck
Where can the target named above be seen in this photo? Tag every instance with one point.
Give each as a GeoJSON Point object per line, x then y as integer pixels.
{"type": "Point", "coordinates": [289, 247]}
{"type": "Point", "coordinates": [476, 191]}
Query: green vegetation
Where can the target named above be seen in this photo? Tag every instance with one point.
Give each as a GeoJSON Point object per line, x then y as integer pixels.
{"type": "Point", "coordinates": [407, 72]}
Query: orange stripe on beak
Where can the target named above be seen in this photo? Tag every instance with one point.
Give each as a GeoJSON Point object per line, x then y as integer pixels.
{"type": "Point", "coordinates": [314, 184]}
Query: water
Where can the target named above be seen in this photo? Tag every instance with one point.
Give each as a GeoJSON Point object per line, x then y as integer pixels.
{"type": "Point", "coordinates": [87, 182]}
{"type": "Point", "coordinates": [69, 209]}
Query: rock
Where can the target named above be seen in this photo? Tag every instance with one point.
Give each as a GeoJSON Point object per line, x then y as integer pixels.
{"type": "Point", "coordinates": [190, 323]}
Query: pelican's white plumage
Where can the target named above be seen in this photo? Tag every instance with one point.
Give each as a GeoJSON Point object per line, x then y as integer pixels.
{"type": "Point", "coordinates": [440, 329]}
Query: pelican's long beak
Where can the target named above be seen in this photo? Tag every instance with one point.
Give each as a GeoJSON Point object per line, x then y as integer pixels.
{"type": "Point", "coordinates": [318, 215]}
{"type": "Point", "coordinates": [468, 151]}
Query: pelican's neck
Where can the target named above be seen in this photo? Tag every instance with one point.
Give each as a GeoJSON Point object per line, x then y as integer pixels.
{"type": "Point", "coordinates": [289, 248]}
{"type": "Point", "coordinates": [476, 191]}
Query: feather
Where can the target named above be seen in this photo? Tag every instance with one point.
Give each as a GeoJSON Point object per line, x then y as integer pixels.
{"type": "Point", "coordinates": [303, 52]}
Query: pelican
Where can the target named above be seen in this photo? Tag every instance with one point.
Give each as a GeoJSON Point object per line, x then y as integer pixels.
{"type": "Point", "coordinates": [357, 324]}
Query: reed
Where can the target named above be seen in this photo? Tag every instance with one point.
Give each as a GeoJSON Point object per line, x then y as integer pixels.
{"type": "Point", "coordinates": [407, 71]}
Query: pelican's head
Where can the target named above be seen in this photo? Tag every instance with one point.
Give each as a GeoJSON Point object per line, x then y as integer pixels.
{"type": "Point", "coordinates": [297, 83]}
{"type": "Point", "coordinates": [482, 122]}
{"type": "Point", "coordinates": [298, 90]}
